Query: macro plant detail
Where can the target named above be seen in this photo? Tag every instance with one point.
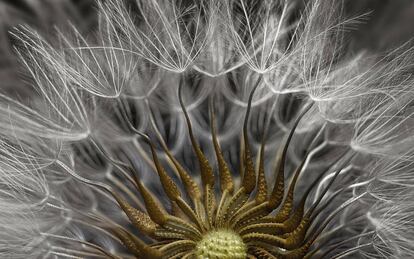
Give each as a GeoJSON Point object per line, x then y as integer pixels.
{"type": "Point", "coordinates": [207, 129]}
{"type": "Point", "coordinates": [235, 224]}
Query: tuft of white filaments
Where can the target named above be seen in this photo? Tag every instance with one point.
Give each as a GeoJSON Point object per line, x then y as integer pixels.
{"type": "Point", "coordinates": [60, 150]}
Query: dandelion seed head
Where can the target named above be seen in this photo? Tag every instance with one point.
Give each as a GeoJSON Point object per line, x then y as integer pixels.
{"type": "Point", "coordinates": [187, 129]}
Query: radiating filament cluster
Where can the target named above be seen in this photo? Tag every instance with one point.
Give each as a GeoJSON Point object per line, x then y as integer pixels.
{"type": "Point", "coordinates": [257, 219]}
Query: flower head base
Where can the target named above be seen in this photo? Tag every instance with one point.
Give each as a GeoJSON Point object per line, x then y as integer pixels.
{"type": "Point", "coordinates": [221, 244]}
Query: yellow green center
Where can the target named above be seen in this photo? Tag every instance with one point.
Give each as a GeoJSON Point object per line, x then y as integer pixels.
{"type": "Point", "coordinates": [223, 244]}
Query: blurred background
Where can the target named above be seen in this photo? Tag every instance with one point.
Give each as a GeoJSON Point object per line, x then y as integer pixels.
{"type": "Point", "coordinates": [388, 23]}
{"type": "Point", "coordinates": [385, 25]}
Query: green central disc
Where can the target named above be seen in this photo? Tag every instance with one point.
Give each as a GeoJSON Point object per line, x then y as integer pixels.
{"type": "Point", "coordinates": [223, 244]}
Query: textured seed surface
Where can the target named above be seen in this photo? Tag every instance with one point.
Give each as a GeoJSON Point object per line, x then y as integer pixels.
{"type": "Point", "coordinates": [223, 244]}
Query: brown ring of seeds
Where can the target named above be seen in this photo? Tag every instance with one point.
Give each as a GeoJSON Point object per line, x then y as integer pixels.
{"type": "Point", "coordinates": [234, 223]}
